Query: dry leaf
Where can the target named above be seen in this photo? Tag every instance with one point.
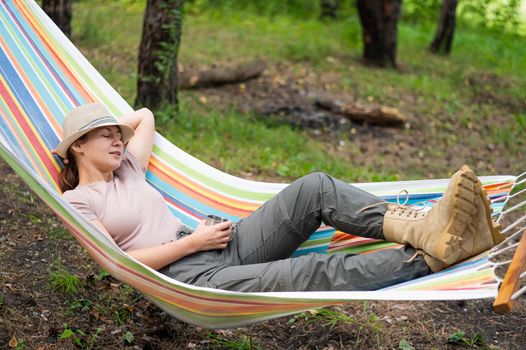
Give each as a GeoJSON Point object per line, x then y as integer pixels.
{"type": "Point", "coordinates": [13, 342]}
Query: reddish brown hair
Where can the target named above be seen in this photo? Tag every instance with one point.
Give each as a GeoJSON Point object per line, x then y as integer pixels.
{"type": "Point", "coordinates": [68, 178]}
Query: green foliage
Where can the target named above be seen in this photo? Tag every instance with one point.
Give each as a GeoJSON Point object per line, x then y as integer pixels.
{"type": "Point", "coordinates": [500, 15]}
{"type": "Point", "coordinates": [421, 10]}
{"type": "Point", "coordinates": [331, 317]}
{"type": "Point", "coordinates": [472, 341]}
{"type": "Point", "coordinates": [103, 274]}
{"type": "Point", "coordinates": [111, 42]}
{"type": "Point", "coordinates": [118, 305]}
{"type": "Point", "coordinates": [122, 314]}
{"type": "Point", "coordinates": [496, 14]}
{"type": "Point", "coordinates": [326, 316]}
{"type": "Point", "coordinates": [78, 337]}
{"type": "Point", "coordinates": [21, 344]}
{"type": "Point", "coordinates": [271, 8]}
{"type": "Point", "coordinates": [521, 121]}
{"type": "Point", "coordinates": [128, 337]}
{"type": "Point", "coordinates": [242, 342]}
{"type": "Point", "coordinates": [64, 282]}
{"type": "Point", "coordinates": [123, 306]}
{"type": "Point", "coordinates": [405, 345]}
{"type": "Point", "coordinates": [79, 305]}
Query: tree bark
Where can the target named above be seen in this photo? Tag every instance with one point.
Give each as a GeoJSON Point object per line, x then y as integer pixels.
{"type": "Point", "coordinates": [158, 52]}
{"type": "Point", "coordinates": [329, 8]}
{"type": "Point", "coordinates": [379, 19]}
{"type": "Point", "coordinates": [374, 115]}
{"type": "Point", "coordinates": [446, 28]}
{"type": "Point", "coordinates": [192, 79]}
{"type": "Point", "coordinates": [60, 12]}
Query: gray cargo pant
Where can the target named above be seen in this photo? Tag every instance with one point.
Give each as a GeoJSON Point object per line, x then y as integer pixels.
{"type": "Point", "coordinates": [258, 257]}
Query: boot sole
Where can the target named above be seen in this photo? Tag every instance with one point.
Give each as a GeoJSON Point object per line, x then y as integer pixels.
{"type": "Point", "coordinates": [466, 189]}
{"type": "Point", "coordinates": [483, 233]}
{"type": "Point", "coordinates": [494, 228]}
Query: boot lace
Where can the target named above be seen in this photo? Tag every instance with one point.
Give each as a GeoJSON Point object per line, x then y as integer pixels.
{"type": "Point", "coordinates": [400, 208]}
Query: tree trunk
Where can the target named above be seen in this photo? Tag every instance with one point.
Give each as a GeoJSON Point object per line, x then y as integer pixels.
{"type": "Point", "coordinates": [446, 28]}
{"type": "Point", "coordinates": [161, 36]}
{"type": "Point", "coordinates": [190, 79]}
{"type": "Point", "coordinates": [60, 12]}
{"type": "Point", "coordinates": [329, 8]}
{"type": "Point", "coordinates": [379, 20]}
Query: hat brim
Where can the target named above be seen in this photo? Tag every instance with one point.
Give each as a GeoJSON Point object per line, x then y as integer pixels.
{"type": "Point", "coordinates": [62, 148]}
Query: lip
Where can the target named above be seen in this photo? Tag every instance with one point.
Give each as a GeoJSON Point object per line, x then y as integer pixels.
{"type": "Point", "coordinates": [116, 153]}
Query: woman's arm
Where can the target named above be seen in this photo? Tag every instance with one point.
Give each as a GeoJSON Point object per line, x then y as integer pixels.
{"type": "Point", "coordinates": [140, 145]}
{"type": "Point", "coordinates": [203, 238]}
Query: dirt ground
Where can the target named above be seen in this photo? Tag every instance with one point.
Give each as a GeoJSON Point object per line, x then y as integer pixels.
{"type": "Point", "coordinates": [105, 314]}
{"type": "Point", "coordinates": [32, 311]}
{"type": "Point", "coordinates": [431, 144]}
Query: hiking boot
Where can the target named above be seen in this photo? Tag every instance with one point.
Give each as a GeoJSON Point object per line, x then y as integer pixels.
{"type": "Point", "coordinates": [441, 232]}
{"type": "Point", "coordinates": [483, 233]}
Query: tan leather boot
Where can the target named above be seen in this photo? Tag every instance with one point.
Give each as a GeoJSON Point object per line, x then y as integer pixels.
{"type": "Point", "coordinates": [482, 234]}
{"type": "Point", "coordinates": [442, 231]}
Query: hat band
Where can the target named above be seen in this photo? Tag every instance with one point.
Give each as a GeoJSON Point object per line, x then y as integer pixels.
{"type": "Point", "coordinates": [99, 121]}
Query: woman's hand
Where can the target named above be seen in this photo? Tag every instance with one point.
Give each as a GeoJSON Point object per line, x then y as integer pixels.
{"type": "Point", "coordinates": [140, 145]}
{"type": "Point", "coordinates": [203, 238]}
{"type": "Point", "coordinates": [211, 237]}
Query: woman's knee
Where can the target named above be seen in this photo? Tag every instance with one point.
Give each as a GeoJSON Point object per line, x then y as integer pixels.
{"type": "Point", "coordinates": [306, 191]}
{"type": "Point", "coordinates": [314, 179]}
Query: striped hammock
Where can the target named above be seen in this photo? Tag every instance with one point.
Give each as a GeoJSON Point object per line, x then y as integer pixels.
{"type": "Point", "coordinates": [42, 76]}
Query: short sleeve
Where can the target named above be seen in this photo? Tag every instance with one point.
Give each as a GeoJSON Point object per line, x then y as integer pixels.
{"type": "Point", "coordinates": [130, 162]}
{"type": "Point", "coordinates": [81, 203]}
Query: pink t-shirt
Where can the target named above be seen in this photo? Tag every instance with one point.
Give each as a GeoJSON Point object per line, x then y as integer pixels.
{"type": "Point", "coordinates": [132, 211]}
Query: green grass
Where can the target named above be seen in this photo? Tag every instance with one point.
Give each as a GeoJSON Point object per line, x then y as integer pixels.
{"type": "Point", "coordinates": [364, 325]}
{"type": "Point", "coordinates": [79, 338]}
{"type": "Point", "coordinates": [209, 37]}
{"type": "Point", "coordinates": [473, 341]}
{"type": "Point", "coordinates": [110, 41]}
{"type": "Point", "coordinates": [64, 282]}
{"type": "Point", "coordinates": [242, 342]}
{"type": "Point", "coordinates": [240, 144]}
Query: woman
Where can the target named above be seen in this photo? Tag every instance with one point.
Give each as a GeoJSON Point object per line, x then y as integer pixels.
{"type": "Point", "coordinates": [106, 182]}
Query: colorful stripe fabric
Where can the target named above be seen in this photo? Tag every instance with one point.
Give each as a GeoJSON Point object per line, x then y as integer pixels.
{"type": "Point", "coordinates": [42, 76]}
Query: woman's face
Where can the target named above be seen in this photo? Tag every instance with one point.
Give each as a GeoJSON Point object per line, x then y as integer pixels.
{"type": "Point", "coordinates": [102, 148]}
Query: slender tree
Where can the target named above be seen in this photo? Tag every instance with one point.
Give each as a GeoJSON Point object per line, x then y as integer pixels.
{"type": "Point", "coordinates": [379, 19]}
{"type": "Point", "coordinates": [161, 37]}
{"type": "Point", "coordinates": [446, 28]}
{"type": "Point", "coordinates": [60, 12]}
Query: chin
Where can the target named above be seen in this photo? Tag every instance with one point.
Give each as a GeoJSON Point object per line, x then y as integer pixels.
{"type": "Point", "coordinates": [116, 164]}
{"type": "Point", "coordinates": [112, 165]}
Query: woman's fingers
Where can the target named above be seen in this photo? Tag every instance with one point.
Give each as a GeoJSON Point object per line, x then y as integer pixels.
{"type": "Point", "coordinates": [214, 237]}
{"type": "Point", "coordinates": [223, 225]}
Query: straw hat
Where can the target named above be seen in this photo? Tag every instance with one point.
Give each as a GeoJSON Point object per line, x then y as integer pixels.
{"type": "Point", "coordinates": [81, 120]}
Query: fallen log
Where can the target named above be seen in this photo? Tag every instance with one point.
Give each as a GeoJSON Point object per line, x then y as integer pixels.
{"type": "Point", "coordinates": [193, 79]}
{"type": "Point", "coordinates": [376, 115]}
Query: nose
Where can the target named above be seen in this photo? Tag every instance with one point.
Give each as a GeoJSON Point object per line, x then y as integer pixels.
{"type": "Point", "coordinates": [117, 140]}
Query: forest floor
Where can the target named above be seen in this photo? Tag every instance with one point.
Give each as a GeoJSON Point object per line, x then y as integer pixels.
{"type": "Point", "coordinates": [39, 262]}
{"type": "Point", "coordinates": [53, 296]}
{"type": "Point", "coordinates": [467, 108]}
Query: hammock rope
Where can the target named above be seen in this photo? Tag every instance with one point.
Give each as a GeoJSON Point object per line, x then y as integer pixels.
{"type": "Point", "coordinates": [513, 281]}
{"type": "Point", "coordinates": [43, 75]}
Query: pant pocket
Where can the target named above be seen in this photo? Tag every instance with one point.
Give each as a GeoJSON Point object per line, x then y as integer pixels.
{"type": "Point", "coordinates": [252, 284]}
